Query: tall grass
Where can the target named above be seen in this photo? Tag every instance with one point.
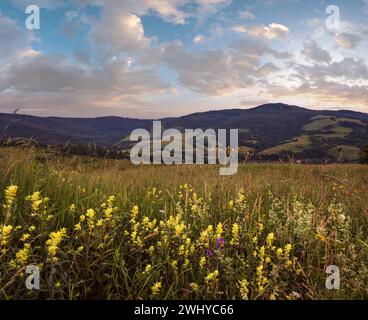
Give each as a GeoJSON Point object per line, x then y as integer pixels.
{"type": "Point", "coordinates": [292, 221]}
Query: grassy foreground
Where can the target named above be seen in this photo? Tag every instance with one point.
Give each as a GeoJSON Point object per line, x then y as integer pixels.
{"type": "Point", "coordinates": [104, 229]}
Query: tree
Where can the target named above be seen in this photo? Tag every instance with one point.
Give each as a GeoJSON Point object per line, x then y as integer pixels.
{"type": "Point", "coordinates": [364, 155]}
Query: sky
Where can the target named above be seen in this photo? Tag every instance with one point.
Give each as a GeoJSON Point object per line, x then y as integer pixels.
{"type": "Point", "coordinates": [159, 58]}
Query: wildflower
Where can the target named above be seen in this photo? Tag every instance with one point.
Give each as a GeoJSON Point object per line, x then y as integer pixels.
{"type": "Point", "coordinates": [260, 227]}
{"type": "Point", "coordinates": [100, 223]}
{"type": "Point", "coordinates": [82, 218]}
{"type": "Point", "coordinates": [36, 200]}
{"type": "Point", "coordinates": [279, 252]}
{"type": "Point", "coordinates": [72, 208]}
{"type": "Point", "coordinates": [57, 285]}
{"type": "Point", "coordinates": [270, 239]}
{"type": "Point", "coordinates": [212, 276]}
{"type": "Point", "coordinates": [5, 232]}
{"type": "Point", "coordinates": [259, 270]}
{"type": "Point", "coordinates": [289, 263]}
{"type": "Point", "coordinates": [108, 213]}
{"type": "Point", "coordinates": [55, 240]}
{"type": "Point", "coordinates": [220, 243]}
{"type": "Point", "coordinates": [202, 262]}
{"type": "Point", "coordinates": [111, 200]}
{"type": "Point", "coordinates": [174, 264]}
{"type": "Point", "coordinates": [156, 288]}
{"type": "Point", "coordinates": [151, 250]}
{"type": "Point", "coordinates": [194, 286]}
{"type": "Point", "coordinates": [31, 228]}
{"type": "Point", "coordinates": [179, 229]}
{"type": "Point", "coordinates": [186, 263]}
{"type": "Point", "coordinates": [320, 237]}
{"type": "Point", "coordinates": [10, 194]}
{"type": "Point", "coordinates": [235, 234]}
{"type": "Point", "coordinates": [148, 268]}
{"type": "Point", "coordinates": [135, 212]}
{"type": "Point", "coordinates": [219, 230]}
{"type": "Point", "coordinates": [90, 214]}
{"type": "Point", "coordinates": [288, 248]}
{"type": "Point", "coordinates": [80, 249]}
{"type": "Point", "coordinates": [243, 288]}
{"type": "Point", "coordinates": [22, 255]}
{"type": "Point", "coordinates": [261, 253]}
{"type": "Point", "coordinates": [25, 237]}
{"type": "Point", "coordinates": [209, 253]}
{"type": "Point", "coordinates": [230, 204]}
{"type": "Point", "coordinates": [77, 227]}
{"type": "Point", "coordinates": [241, 196]}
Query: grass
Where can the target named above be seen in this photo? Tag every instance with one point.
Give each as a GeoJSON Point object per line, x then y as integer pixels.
{"type": "Point", "coordinates": [105, 229]}
{"type": "Point", "coordinates": [348, 153]}
{"type": "Point", "coordinates": [298, 145]}
{"type": "Point", "coordinates": [321, 122]}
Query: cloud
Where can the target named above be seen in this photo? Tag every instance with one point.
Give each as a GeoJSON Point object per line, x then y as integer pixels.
{"type": "Point", "coordinates": [12, 38]}
{"type": "Point", "coordinates": [118, 31]}
{"type": "Point", "coordinates": [315, 54]}
{"type": "Point", "coordinates": [336, 83]}
{"type": "Point", "coordinates": [272, 31]}
{"type": "Point", "coordinates": [216, 72]}
{"type": "Point", "coordinates": [52, 79]}
{"type": "Point", "coordinates": [173, 11]}
{"type": "Point", "coordinates": [348, 40]}
{"type": "Point", "coordinates": [44, 4]}
{"type": "Point", "coordinates": [246, 15]}
{"type": "Point", "coordinates": [199, 39]}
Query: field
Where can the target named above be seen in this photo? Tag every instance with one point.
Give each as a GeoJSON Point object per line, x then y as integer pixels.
{"type": "Point", "coordinates": [105, 229]}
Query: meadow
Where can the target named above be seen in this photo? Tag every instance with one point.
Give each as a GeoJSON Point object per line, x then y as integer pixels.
{"type": "Point", "coordinates": [106, 229]}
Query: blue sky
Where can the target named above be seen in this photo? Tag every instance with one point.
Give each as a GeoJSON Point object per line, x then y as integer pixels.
{"type": "Point", "coordinates": [155, 58]}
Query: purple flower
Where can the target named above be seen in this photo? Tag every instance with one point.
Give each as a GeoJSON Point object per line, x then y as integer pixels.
{"type": "Point", "coordinates": [220, 243]}
{"type": "Point", "coordinates": [209, 253]}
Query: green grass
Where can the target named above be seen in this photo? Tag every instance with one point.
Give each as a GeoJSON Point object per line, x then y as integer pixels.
{"type": "Point", "coordinates": [321, 122]}
{"type": "Point", "coordinates": [348, 153]}
{"type": "Point", "coordinates": [320, 210]}
{"type": "Point", "coordinates": [299, 144]}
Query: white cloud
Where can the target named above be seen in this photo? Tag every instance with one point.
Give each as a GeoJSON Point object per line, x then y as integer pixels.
{"type": "Point", "coordinates": [119, 32]}
{"type": "Point", "coordinates": [272, 31]}
{"type": "Point", "coordinates": [216, 72]}
{"type": "Point", "coordinates": [199, 39]}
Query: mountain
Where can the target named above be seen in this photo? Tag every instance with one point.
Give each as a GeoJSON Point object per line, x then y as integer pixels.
{"type": "Point", "coordinates": [268, 131]}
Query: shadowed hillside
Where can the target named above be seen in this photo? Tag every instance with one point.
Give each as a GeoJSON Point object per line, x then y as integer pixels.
{"type": "Point", "coordinates": [268, 131]}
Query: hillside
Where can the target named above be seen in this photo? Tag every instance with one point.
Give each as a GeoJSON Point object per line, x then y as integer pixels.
{"type": "Point", "coordinates": [269, 131]}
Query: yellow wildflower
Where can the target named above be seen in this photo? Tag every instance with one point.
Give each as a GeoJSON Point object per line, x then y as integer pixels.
{"type": "Point", "coordinates": [235, 234]}
{"type": "Point", "coordinates": [156, 288]}
{"type": "Point", "coordinates": [212, 276]}
{"type": "Point", "coordinates": [202, 262]}
{"type": "Point", "coordinates": [25, 237]}
{"type": "Point", "coordinates": [219, 231]}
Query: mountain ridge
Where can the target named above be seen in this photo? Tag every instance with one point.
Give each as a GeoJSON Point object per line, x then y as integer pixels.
{"type": "Point", "coordinates": [268, 130]}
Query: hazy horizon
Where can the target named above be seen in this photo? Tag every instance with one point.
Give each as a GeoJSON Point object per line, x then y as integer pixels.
{"type": "Point", "coordinates": [19, 112]}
